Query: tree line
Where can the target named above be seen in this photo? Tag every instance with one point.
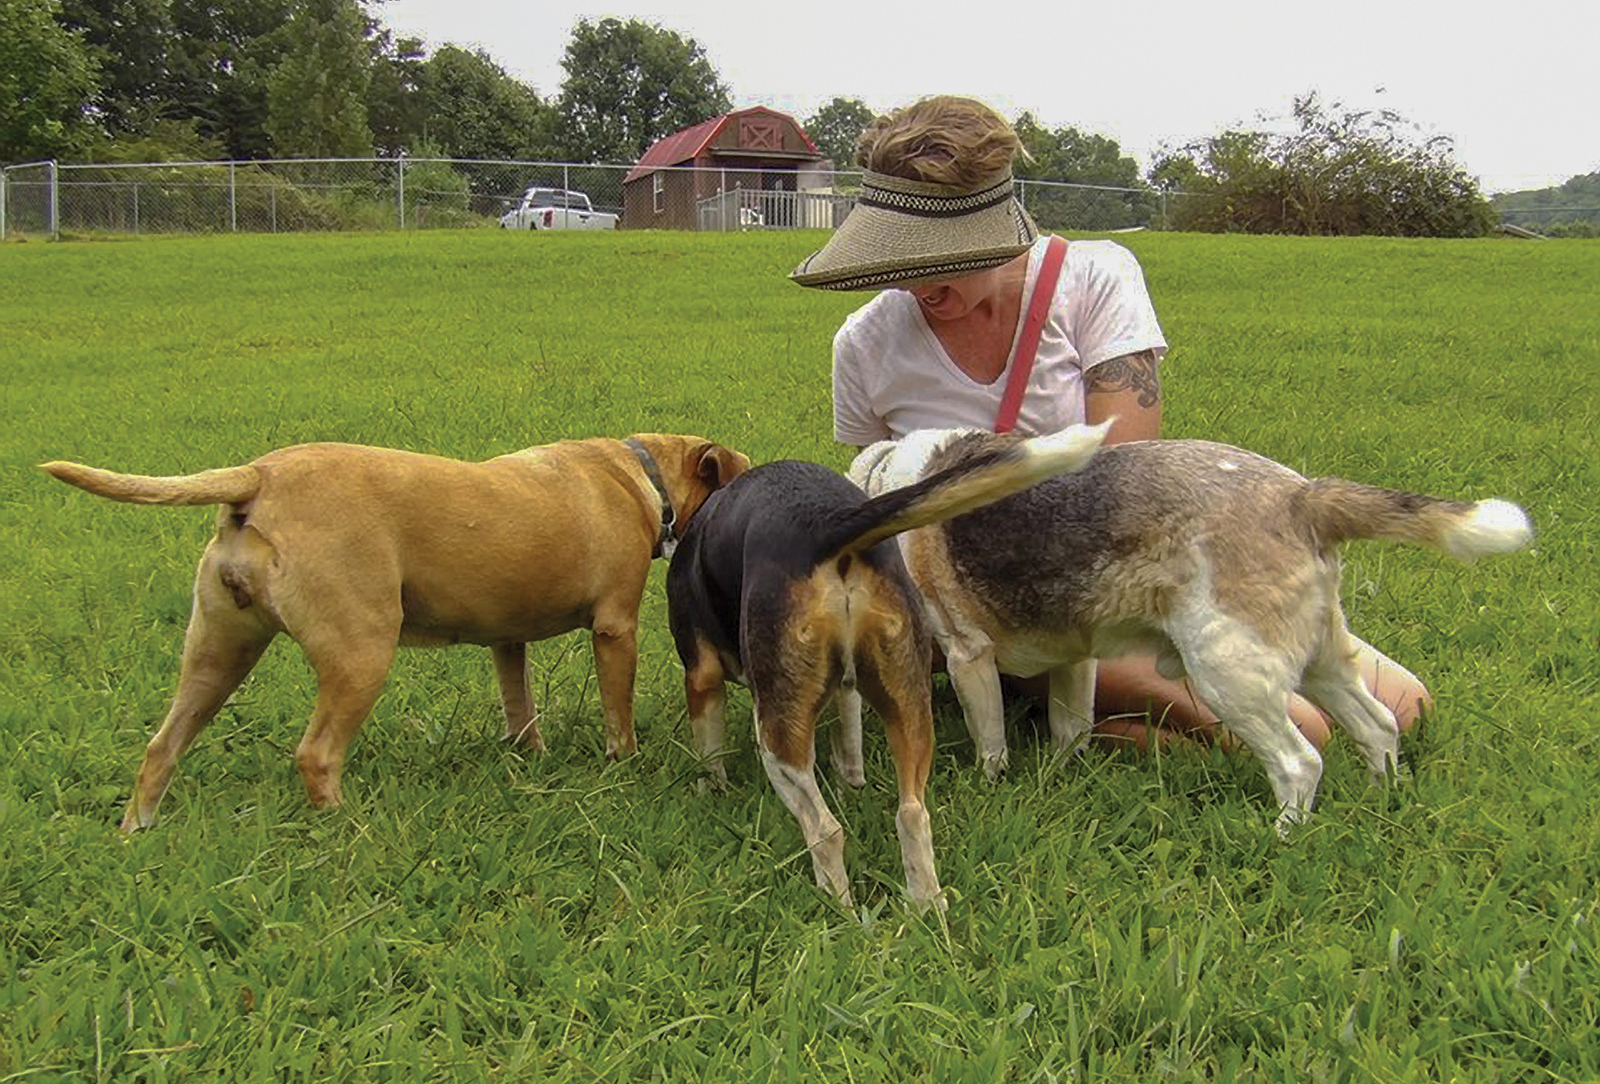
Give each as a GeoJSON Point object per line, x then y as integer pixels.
{"type": "Point", "coordinates": [162, 80]}
{"type": "Point", "coordinates": [1570, 209]}
{"type": "Point", "coordinates": [125, 80]}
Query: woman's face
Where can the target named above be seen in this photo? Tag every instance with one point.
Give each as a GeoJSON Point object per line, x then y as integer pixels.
{"type": "Point", "coordinates": [952, 299]}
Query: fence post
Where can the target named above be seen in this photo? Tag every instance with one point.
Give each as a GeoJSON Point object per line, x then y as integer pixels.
{"type": "Point", "coordinates": [55, 201]}
{"type": "Point", "coordinates": [4, 178]}
{"type": "Point", "coordinates": [400, 189]}
{"type": "Point", "coordinates": [233, 200]}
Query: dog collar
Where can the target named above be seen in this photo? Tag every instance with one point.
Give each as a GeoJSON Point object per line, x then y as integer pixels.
{"type": "Point", "coordinates": [666, 542]}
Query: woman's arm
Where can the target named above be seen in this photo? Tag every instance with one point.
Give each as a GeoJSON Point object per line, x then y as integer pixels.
{"type": "Point", "coordinates": [1129, 388]}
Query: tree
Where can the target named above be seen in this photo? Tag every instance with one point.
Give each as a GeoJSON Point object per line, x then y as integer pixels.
{"type": "Point", "coordinates": [473, 109]}
{"type": "Point", "coordinates": [1339, 171]}
{"type": "Point", "coordinates": [159, 141]}
{"type": "Point", "coordinates": [1172, 173]}
{"type": "Point", "coordinates": [1112, 195]}
{"type": "Point", "coordinates": [47, 84]}
{"type": "Point", "coordinates": [224, 55]}
{"type": "Point", "coordinates": [835, 128]}
{"type": "Point", "coordinates": [396, 110]}
{"type": "Point", "coordinates": [627, 85]}
{"type": "Point", "coordinates": [317, 95]}
{"type": "Point", "coordinates": [130, 42]}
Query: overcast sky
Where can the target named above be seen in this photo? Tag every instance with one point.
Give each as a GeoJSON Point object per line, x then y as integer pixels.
{"type": "Point", "coordinates": [1515, 85]}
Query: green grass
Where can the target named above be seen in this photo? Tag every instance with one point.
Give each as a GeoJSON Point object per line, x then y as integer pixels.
{"type": "Point", "coordinates": [475, 913]}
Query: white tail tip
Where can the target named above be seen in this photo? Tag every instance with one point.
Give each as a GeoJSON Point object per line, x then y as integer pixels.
{"type": "Point", "coordinates": [1494, 526]}
{"type": "Point", "coordinates": [1069, 449]}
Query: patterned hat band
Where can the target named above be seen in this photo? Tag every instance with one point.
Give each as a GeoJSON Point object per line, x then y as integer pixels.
{"type": "Point", "coordinates": [924, 199]}
{"type": "Point", "coordinates": [904, 232]}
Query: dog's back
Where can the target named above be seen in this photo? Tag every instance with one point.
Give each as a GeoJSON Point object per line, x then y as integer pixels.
{"type": "Point", "coordinates": [764, 547]}
{"type": "Point", "coordinates": [787, 523]}
{"type": "Point", "coordinates": [1143, 520]}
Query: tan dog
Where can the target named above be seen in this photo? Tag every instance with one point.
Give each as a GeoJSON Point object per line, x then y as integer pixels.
{"type": "Point", "coordinates": [353, 551]}
{"type": "Point", "coordinates": [1223, 562]}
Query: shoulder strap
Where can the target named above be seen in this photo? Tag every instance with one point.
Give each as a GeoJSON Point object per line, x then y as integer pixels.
{"type": "Point", "coordinates": [1044, 290]}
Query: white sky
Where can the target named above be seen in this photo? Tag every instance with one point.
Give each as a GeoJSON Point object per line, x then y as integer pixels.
{"type": "Point", "coordinates": [1515, 85]}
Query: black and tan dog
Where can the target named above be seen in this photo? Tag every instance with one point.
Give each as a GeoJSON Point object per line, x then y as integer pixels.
{"type": "Point", "coordinates": [353, 551]}
{"type": "Point", "coordinates": [783, 581]}
{"type": "Point", "coordinates": [1224, 563]}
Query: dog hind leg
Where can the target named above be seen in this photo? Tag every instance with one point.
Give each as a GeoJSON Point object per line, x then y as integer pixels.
{"type": "Point", "coordinates": [220, 648]}
{"type": "Point", "coordinates": [351, 664]}
{"type": "Point", "coordinates": [791, 765]}
{"type": "Point", "coordinates": [1248, 684]}
{"type": "Point", "coordinates": [1333, 683]}
{"type": "Point", "coordinates": [1071, 707]}
{"type": "Point", "coordinates": [511, 671]}
{"type": "Point", "coordinates": [895, 680]}
{"type": "Point", "coordinates": [977, 683]}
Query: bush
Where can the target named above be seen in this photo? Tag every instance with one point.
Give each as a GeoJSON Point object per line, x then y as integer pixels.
{"type": "Point", "coordinates": [1349, 172]}
{"type": "Point", "coordinates": [437, 194]}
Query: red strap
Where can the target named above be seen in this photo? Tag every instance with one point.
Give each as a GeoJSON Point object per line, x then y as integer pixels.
{"type": "Point", "coordinates": [1044, 291]}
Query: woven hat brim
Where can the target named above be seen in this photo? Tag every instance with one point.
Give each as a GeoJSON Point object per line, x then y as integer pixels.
{"type": "Point", "coordinates": [875, 247]}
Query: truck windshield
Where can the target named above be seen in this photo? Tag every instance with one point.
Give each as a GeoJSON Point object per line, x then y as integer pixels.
{"type": "Point", "coordinates": [553, 199]}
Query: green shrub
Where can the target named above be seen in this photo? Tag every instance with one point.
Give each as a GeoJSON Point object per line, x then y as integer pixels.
{"type": "Point", "coordinates": [1337, 173]}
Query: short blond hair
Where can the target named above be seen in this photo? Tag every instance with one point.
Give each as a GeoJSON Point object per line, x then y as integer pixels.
{"type": "Point", "coordinates": [944, 139]}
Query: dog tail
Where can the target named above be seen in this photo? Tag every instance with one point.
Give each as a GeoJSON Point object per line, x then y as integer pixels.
{"type": "Point", "coordinates": [1338, 511]}
{"type": "Point", "coordinates": [225, 485]}
{"type": "Point", "coordinates": [987, 477]}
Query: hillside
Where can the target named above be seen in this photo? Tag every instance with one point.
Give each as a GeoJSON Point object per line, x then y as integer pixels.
{"type": "Point", "coordinates": [1568, 209]}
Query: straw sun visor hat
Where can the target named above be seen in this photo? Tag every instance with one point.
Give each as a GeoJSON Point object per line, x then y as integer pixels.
{"type": "Point", "coordinates": [904, 232]}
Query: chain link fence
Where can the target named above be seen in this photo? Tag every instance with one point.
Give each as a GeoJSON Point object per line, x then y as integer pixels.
{"type": "Point", "coordinates": [28, 200]}
{"type": "Point", "coordinates": [51, 199]}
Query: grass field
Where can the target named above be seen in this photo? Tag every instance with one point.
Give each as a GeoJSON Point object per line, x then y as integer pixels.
{"type": "Point", "coordinates": [474, 913]}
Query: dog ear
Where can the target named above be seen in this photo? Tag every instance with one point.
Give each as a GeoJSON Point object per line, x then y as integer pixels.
{"type": "Point", "coordinates": [719, 465]}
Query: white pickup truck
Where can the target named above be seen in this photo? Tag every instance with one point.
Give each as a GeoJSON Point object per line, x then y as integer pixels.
{"type": "Point", "coordinates": [556, 209]}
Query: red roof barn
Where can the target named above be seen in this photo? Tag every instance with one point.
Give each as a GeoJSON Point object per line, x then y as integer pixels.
{"type": "Point", "coordinates": [740, 169]}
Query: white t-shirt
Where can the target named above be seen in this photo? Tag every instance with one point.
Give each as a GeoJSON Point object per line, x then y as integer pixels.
{"type": "Point", "coordinates": [891, 374]}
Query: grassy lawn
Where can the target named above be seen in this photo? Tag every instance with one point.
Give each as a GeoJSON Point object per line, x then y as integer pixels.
{"type": "Point", "coordinates": [476, 913]}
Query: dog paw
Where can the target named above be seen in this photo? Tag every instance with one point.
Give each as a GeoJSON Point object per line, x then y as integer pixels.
{"type": "Point", "coordinates": [1067, 749]}
{"type": "Point", "coordinates": [1291, 816]}
{"type": "Point", "coordinates": [1398, 773]}
{"type": "Point", "coordinates": [531, 741]}
{"type": "Point", "coordinates": [525, 735]}
{"type": "Point", "coordinates": [713, 782]}
{"type": "Point", "coordinates": [134, 820]}
{"type": "Point", "coordinates": [850, 773]}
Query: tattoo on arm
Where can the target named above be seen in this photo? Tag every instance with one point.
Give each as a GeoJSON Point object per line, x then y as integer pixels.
{"type": "Point", "coordinates": [1130, 372]}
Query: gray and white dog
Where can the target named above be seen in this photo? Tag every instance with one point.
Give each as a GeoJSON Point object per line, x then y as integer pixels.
{"type": "Point", "coordinates": [1223, 563]}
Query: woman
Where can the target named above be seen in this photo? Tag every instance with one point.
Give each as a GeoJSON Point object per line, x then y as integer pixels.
{"type": "Point", "coordinates": [938, 230]}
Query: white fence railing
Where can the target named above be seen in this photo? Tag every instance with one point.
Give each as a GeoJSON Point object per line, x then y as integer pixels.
{"type": "Point", "coordinates": [48, 198]}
